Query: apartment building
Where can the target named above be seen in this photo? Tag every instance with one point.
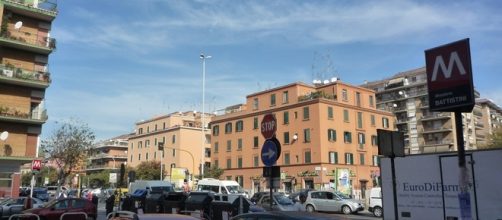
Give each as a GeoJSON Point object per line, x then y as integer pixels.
{"type": "Point", "coordinates": [181, 135]}
{"type": "Point", "coordinates": [490, 120]}
{"type": "Point", "coordinates": [108, 154]}
{"type": "Point", "coordinates": [327, 132]}
{"type": "Point", "coordinates": [25, 45]}
{"type": "Point", "coordinates": [405, 95]}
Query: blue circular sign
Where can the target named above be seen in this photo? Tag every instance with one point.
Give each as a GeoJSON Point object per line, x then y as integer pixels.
{"type": "Point", "coordinates": [269, 153]}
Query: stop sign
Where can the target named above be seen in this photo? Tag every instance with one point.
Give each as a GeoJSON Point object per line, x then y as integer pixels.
{"type": "Point", "coordinates": [268, 126]}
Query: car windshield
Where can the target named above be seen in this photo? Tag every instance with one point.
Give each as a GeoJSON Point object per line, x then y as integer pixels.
{"type": "Point", "coordinates": [161, 189]}
{"type": "Point", "coordinates": [7, 201]}
{"type": "Point", "coordinates": [341, 195]}
{"type": "Point", "coordinates": [234, 189]}
{"type": "Point", "coordinates": [283, 200]}
{"type": "Point", "coordinates": [49, 204]}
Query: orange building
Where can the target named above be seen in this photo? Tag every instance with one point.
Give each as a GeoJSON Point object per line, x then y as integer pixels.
{"type": "Point", "coordinates": [25, 45]}
{"type": "Point", "coordinates": [327, 132]}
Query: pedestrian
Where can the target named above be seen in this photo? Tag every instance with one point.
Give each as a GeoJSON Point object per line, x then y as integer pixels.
{"type": "Point", "coordinates": [300, 205]}
{"type": "Point", "coordinates": [95, 200]}
{"type": "Point", "coordinates": [27, 203]}
{"type": "Point", "coordinates": [186, 187]}
{"type": "Point", "coordinates": [110, 202]}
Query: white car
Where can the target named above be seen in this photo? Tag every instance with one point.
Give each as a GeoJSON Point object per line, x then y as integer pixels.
{"type": "Point", "coordinates": [332, 202]}
{"type": "Point", "coordinates": [375, 205]}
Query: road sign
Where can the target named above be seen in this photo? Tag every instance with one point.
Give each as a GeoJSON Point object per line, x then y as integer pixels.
{"type": "Point", "coordinates": [268, 126]}
{"type": "Point", "coordinates": [269, 152]}
{"type": "Point", "coordinates": [113, 178]}
{"type": "Point", "coordinates": [272, 171]}
{"type": "Point", "coordinates": [449, 77]}
{"type": "Point", "coordinates": [36, 165]}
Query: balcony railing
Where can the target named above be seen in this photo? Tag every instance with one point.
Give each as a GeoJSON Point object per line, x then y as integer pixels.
{"type": "Point", "coordinates": [435, 129]}
{"type": "Point", "coordinates": [100, 167]}
{"type": "Point", "coordinates": [43, 6]}
{"type": "Point", "coordinates": [23, 74]}
{"type": "Point", "coordinates": [13, 113]}
{"type": "Point", "coordinates": [316, 95]}
{"type": "Point", "coordinates": [102, 156]}
{"type": "Point", "coordinates": [438, 142]}
{"type": "Point", "coordinates": [435, 115]}
{"type": "Point", "coordinates": [7, 150]}
{"type": "Point", "coordinates": [28, 38]}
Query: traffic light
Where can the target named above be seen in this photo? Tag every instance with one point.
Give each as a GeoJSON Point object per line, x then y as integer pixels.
{"type": "Point", "coordinates": [160, 145]}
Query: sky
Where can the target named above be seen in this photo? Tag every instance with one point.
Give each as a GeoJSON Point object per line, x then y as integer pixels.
{"type": "Point", "coordinates": [119, 62]}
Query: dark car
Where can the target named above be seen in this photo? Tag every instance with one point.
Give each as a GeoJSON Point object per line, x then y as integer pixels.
{"type": "Point", "coordinates": [278, 215]}
{"type": "Point", "coordinates": [41, 193]}
{"type": "Point", "coordinates": [257, 196]}
{"type": "Point", "coordinates": [54, 209]}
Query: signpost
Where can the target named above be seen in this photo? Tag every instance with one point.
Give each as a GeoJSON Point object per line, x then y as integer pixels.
{"type": "Point", "coordinates": [268, 126]}
{"type": "Point", "coordinates": [271, 151]}
{"type": "Point", "coordinates": [450, 88]}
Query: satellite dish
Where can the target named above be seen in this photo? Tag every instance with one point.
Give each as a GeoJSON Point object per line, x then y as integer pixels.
{"type": "Point", "coordinates": [18, 25]}
{"type": "Point", "coordinates": [4, 135]}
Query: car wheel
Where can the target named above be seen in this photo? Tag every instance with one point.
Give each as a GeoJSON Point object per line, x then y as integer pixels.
{"type": "Point", "coordinates": [377, 212]}
{"type": "Point", "coordinates": [310, 208]}
{"type": "Point", "coordinates": [346, 210]}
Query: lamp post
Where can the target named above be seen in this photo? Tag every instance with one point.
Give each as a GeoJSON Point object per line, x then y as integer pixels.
{"type": "Point", "coordinates": [202, 156]}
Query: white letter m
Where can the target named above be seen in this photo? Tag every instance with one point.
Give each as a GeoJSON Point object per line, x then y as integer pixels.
{"type": "Point", "coordinates": [447, 71]}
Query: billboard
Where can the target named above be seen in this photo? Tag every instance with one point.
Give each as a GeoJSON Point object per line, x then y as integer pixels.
{"type": "Point", "coordinates": [178, 174]}
{"type": "Point", "coordinates": [343, 181]}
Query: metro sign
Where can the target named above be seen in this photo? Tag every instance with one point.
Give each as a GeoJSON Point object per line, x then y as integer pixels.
{"type": "Point", "coordinates": [449, 77]}
{"type": "Point", "coordinates": [36, 165]}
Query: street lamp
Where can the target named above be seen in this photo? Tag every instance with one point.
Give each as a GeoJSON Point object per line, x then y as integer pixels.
{"type": "Point", "coordinates": [202, 156]}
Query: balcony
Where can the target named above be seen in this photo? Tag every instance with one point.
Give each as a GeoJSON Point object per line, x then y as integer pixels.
{"type": "Point", "coordinates": [17, 76]}
{"type": "Point", "coordinates": [45, 10]}
{"type": "Point", "coordinates": [402, 121]}
{"type": "Point", "coordinates": [14, 115]}
{"type": "Point", "coordinates": [479, 125]}
{"type": "Point", "coordinates": [438, 142]}
{"type": "Point", "coordinates": [428, 130]}
{"type": "Point", "coordinates": [120, 157]}
{"type": "Point", "coordinates": [7, 153]}
{"type": "Point", "coordinates": [100, 167]}
{"type": "Point", "coordinates": [316, 95]}
{"type": "Point", "coordinates": [32, 42]}
{"type": "Point", "coordinates": [435, 116]}
{"type": "Point", "coordinates": [107, 144]}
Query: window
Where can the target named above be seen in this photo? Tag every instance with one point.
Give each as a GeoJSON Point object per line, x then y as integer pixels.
{"type": "Point", "coordinates": [255, 123]}
{"type": "Point", "coordinates": [229, 145]}
{"type": "Point", "coordinates": [155, 155]}
{"type": "Point", "coordinates": [347, 137]}
{"type": "Point", "coordinates": [373, 140]}
{"type": "Point", "coordinates": [306, 115]}
{"type": "Point", "coordinates": [330, 112]}
{"type": "Point", "coordinates": [228, 128]}
{"type": "Point", "coordinates": [372, 120]}
{"type": "Point", "coordinates": [349, 158]}
{"type": "Point", "coordinates": [361, 139]}
{"type": "Point", "coordinates": [155, 127]}
{"type": "Point", "coordinates": [346, 115]}
{"type": "Point", "coordinates": [333, 157]}
{"type": "Point", "coordinates": [306, 134]}
{"type": "Point", "coordinates": [385, 122]}
{"type": "Point", "coordinates": [358, 99]}
{"type": "Point", "coordinates": [286, 137]}
{"type": "Point", "coordinates": [131, 158]}
{"type": "Point", "coordinates": [255, 142]}
{"type": "Point", "coordinates": [155, 142]}
{"type": "Point", "coordinates": [272, 100]}
{"type": "Point", "coordinates": [147, 143]}
{"type": "Point", "coordinates": [239, 162]}
{"type": "Point", "coordinates": [255, 104]}
{"type": "Point", "coordinates": [286, 117]}
{"type": "Point", "coordinates": [140, 144]}
{"type": "Point", "coordinates": [139, 157]}
{"type": "Point", "coordinates": [174, 152]}
{"type": "Point", "coordinates": [331, 135]}
{"type": "Point", "coordinates": [229, 163]}
{"type": "Point", "coordinates": [239, 126]}
{"type": "Point", "coordinates": [361, 159]}
{"type": "Point", "coordinates": [359, 120]}
{"type": "Point", "coordinates": [345, 97]}
{"type": "Point", "coordinates": [239, 144]}
{"type": "Point", "coordinates": [286, 159]}
{"type": "Point", "coordinates": [216, 146]}
{"type": "Point", "coordinates": [132, 146]}
{"type": "Point", "coordinates": [285, 98]}
{"type": "Point", "coordinates": [164, 125]}
{"type": "Point", "coordinates": [174, 139]}
{"type": "Point", "coordinates": [376, 160]}
{"type": "Point", "coordinates": [146, 156]}
{"type": "Point", "coordinates": [162, 154]}
{"type": "Point", "coordinates": [148, 129]}
{"type": "Point", "coordinates": [216, 163]}
{"type": "Point", "coordinates": [371, 101]}
{"type": "Point", "coordinates": [308, 158]}
{"type": "Point", "coordinates": [140, 131]}
{"type": "Point", "coordinates": [256, 161]}
{"type": "Point", "coordinates": [296, 115]}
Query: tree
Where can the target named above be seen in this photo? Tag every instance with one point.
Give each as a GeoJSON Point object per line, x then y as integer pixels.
{"type": "Point", "coordinates": [100, 179]}
{"type": "Point", "coordinates": [495, 139]}
{"type": "Point", "coordinates": [148, 170]}
{"type": "Point", "coordinates": [26, 179]}
{"type": "Point", "coordinates": [213, 172]}
{"type": "Point", "coordinates": [68, 145]}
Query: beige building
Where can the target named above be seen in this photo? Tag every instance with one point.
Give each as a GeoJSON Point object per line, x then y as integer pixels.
{"type": "Point", "coordinates": [181, 134]}
{"type": "Point", "coordinates": [108, 154]}
{"type": "Point", "coordinates": [405, 94]}
{"type": "Point", "coordinates": [490, 120]}
{"type": "Point", "coordinates": [25, 45]}
{"type": "Point", "coordinates": [327, 132]}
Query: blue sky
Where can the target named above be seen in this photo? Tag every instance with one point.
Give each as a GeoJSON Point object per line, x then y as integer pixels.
{"type": "Point", "coordinates": [119, 62]}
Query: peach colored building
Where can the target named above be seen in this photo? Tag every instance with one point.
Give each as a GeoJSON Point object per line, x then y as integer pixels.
{"type": "Point", "coordinates": [109, 154]}
{"type": "Point", "coordinates": [327, 132]}
{"type": "Point", "coordinates": [25, 45]}
{"type": "Point", "coordinates": [181, 134]}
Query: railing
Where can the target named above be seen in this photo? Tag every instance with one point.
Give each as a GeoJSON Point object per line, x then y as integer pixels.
{"type": "Point", "coordinates": [101, 156]}
{"type": "Point", "coordinates": [435, 115]}
{"type": "Point", "coordinates": [7, 150]}
{"type": "Point", "coordinates": [44, 6]}
{"type": "Point", "coordinates": [438, 142]}
{"type": "Point", "coordinates": [14, 113]}
{"type": "Point", "coordinates": [99, 167]}
{"type": "Point", "coordinates": [18, 73]}
{"type": "Point", "coordinates": [434, 129]}
{"type": "Point", "coordinates": [28, 38]}
{"type": "Point", "coordinates": [114, 144]}
{"type": "Point", "coordinates": [316, 95]}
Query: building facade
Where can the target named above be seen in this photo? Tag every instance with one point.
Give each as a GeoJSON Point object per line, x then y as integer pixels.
{"type": "Point", "coordinates": [490, 120]}
{"type": "Point", "coordinates": [108, 154]}
{"type": "Point", "coordinates": [405, 94]}
{"type": "Point", "coordinates": [327, 132]}
{"type": "Point", "coordinates": [25, 45]}
{"type": "Point", "coordinates": [181, 135]}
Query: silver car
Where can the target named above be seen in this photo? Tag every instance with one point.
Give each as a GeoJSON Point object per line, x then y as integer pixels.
{"type": "Point", "coordinates": [332, 202]}
{"type": "Point", "coordinates": [280, 203]}
{"type": "Point", "coordinates": [12, 206]}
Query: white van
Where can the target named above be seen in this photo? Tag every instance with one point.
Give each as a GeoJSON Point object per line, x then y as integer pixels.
{"type": "Point", "coordinates": [151, 186]}
{"type": "Point", "coordinates": [221, 186]}
{"type": "Point", "coordinates": [375, 205]}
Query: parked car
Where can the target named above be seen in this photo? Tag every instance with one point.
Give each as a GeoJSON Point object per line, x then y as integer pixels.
{"type": "Point", "coordinates": [375, 205]}
{"type": "Point", "coordinates": [54, 209]}
{"type": "Point", "coordinates": [221, 186]}
{"type": "Point", "coordinates": [280, 203]}
{"type": "Point", "coordinates": [15, 206]}
{"type": "Point", "coordinates": [332, 202]}
{"type": "Point", "coordinates": [41, 193]}
{"type": "Point", "coordinates": [278, 215]}
{"type": "Point", "coordinates": [257, 196]}
{"type": "Point", "coordinates": [296, 195]}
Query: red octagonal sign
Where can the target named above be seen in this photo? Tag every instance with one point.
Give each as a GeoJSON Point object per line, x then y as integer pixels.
{"type": "Point", "coordinates": [268, 126]}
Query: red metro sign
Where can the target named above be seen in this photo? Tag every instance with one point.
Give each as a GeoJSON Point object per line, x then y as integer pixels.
{"type": "Point", "coordinates": [36, 165]}
{"type": "Point", "coordinates": [268, 126]}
